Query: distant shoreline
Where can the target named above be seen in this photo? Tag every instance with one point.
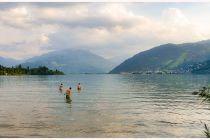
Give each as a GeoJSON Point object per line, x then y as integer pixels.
{"type": "Point", "coordinates": [19, 70]}
{"type": "Point", "coordinates": [104, 74]}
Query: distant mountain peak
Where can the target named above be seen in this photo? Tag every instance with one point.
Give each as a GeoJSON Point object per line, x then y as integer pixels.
{"type": "Point", "coordinates": [166, 57]}
{"type": "Point", "coordinates": [72, 61]}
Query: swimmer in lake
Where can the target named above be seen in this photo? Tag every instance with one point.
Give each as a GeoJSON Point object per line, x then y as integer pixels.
{"type": "Point", "coordinates": [61, 87]}
{"type": "Point", "coordinates": [78, 87]}
{"type": "Point", "coordinates": [68, 93]}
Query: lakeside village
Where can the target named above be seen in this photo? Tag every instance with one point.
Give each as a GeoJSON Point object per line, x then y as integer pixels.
{"type": "Point", "coordinates": [154, 72]}
{"type": "Point", "coordinates": [188, 69]}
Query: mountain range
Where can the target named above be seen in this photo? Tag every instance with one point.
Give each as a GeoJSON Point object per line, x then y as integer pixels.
{"type": "Point", "coordinates": [201, 67]}
{"type": "Point", "coordinates": [71, 61]}
{"type": "Point", "coordinates": [177, 57]}
{"type": "Point", "coordinates": [186, 57]}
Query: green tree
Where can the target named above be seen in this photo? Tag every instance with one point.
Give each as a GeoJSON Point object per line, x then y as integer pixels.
{"type": "Point", "coordinates": [205, 95]}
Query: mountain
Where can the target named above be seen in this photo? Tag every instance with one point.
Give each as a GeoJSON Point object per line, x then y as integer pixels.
{"type": "Point", "coordinates": [167, 57]}
{"type": "Point", "coordinates": [8, 62]}
{"type": "Point", "coordinates": [71, 61]}
{"type": "Point", "coordinates": [201, 67]}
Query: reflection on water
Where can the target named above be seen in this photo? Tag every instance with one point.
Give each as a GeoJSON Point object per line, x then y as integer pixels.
{"type": "Point", "coordinates": [107, 106]}
{"type": "Point", "coordinates": [61, 91]}
{"type": "Point", "coordinates": [78, 90]}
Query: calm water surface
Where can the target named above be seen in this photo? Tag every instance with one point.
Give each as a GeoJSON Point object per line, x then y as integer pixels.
{"type": "Point", "coordinates": [107, 106]}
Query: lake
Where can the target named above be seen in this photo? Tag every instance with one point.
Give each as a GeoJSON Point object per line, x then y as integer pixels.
{"type": "Point", "coordinates": [109, 105]}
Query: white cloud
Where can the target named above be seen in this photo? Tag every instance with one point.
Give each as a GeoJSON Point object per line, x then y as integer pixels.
{"type": "Point", "coordinates": [178, 28]}
{"type": "Point", "coordinates": [174, 16]}
{"type": "Point", "coordinates": [107, 29]}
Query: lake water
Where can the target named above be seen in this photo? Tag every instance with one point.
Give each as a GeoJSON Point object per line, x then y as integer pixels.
{"type": "Point", "coordinates": [107, 106]}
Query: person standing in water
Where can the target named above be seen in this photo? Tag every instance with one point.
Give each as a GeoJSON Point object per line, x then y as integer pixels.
{"type": "Point", "coordinates": [68, 93]}
{"type": "Point", "coordinates": [78, 86]}
{"type": "Point", "coordinates": [61, 87]}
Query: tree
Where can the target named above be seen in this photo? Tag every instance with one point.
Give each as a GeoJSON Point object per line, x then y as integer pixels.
{"type": "Point", "coordinates": [205, 95]}
{"type": "Point", "coordinates": [18, 70]}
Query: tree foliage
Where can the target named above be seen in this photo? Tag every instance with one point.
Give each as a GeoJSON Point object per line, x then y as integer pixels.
{"type": "Point", "coordinates": [19, 70]}
{"type": "Point", "coordinates": [204, 93]}
{"type": "Point", "coordinates": [206, 132]}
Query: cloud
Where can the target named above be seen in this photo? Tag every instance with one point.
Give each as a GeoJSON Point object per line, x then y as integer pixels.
{"type": "Point", "coordinates": [175, 16]}
{"type": "Point", "coordinates": [107, 29]}
{"type": "Point", "coordinates": [178, 28]}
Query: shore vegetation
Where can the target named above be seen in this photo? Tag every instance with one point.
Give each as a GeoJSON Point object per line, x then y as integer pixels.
{"type": "Point", "coordinates": [19, 70]}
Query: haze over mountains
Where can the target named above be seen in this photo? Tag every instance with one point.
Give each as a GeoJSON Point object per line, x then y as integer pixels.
{"type": "Point", "coordinates": [167, 57]}
{"type": "Point", "coordinates": [8, 62]}
{"type": "Point", "coordinates": [72, 61]}
{"type": "Point", "coordinates": [187, 57]}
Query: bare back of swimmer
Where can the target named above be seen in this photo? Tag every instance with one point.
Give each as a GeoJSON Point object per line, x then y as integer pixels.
{"type": "Point", "coordinates": [78, 86]}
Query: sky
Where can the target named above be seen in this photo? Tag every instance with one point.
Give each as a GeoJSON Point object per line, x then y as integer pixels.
{"type": "Point", "coordinates": [111, 30]}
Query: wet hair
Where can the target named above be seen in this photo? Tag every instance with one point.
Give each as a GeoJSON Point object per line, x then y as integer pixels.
{"type": "Point", "coordinates": [69, 87]}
